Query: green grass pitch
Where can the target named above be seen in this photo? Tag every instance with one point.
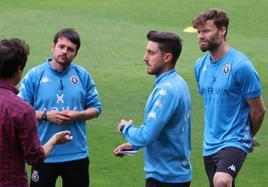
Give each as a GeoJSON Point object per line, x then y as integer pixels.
{"type": "Point", "coordinates": [113, 44]}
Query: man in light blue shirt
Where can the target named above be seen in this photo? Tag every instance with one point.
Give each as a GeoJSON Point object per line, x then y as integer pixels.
{"type": "Point", "coordinates": [64, 96]}
{"type": "Point", "coordinates": [165, 133]}
{"type": "Point", "coordinates": [231, 92]}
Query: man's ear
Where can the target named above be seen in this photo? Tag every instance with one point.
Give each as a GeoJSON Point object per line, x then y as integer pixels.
{"type": "Point", "coordinates": [223, 30]}
{"type": "Point", "coordinates": [52, 47]}
{"type": "Point", "coordinates": [21, 68]}
{"type": "Point", "coordinates": [168, 57]}
{"type": "Point", "coordinates": [18, 70]}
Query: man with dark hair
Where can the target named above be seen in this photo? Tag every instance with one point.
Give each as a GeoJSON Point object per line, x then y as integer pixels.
{"type": "Point", "coordinates": [231, 91]}
{"type": "Point", "coordinates": [64, 96]}
{"type": "Point", "coordinates": [165, 132]}
{"type": "Point", "coordinates": [19, 140]}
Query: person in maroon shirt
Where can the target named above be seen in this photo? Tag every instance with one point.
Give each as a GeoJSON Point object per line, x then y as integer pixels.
{"type": "Point", "coordinates": [19, 142]}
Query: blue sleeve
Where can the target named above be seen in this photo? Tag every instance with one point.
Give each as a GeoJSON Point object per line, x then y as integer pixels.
{"type": "Point", "coordinates": [160, 107]}
{"type": "Point", "coordinates": [196, 74]}
{"type": "Point", "coordinates": [92, 96]}
{"type": "Point", "coordinates": [248, 80]}
{"type": "Point", "coordinates": [200, 66]}
{"type": "Point", "coordinates": [26, 88]}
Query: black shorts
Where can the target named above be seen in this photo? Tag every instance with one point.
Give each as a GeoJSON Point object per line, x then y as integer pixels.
{"type": "Point", "coordinates": [73, 173]}
{"type": "Point", "coordinates": [150, 182]}
{"type": "Point", "coordinates": [228, 160]}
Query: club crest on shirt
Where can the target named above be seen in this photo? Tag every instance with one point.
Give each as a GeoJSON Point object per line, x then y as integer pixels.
{"type": "Point", "coordinates": [226, 68]}
{"type": "Point", "coordinates": [35, 176]}
{"type": "Point", "coordinates": [74, 79]}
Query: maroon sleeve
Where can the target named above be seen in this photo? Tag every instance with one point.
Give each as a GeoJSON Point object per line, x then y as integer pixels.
{"type": "Point", "coordinates": [28, 138]}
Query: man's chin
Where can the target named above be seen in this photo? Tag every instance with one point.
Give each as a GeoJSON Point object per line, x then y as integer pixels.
{"type": "Point", "coordinates": [203, 48]}
{"type": "Point", "coordinates": [64, 63]}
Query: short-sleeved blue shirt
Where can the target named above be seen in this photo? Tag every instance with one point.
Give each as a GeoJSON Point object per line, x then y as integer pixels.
{"type": "Point", "coordinates": [225, 85]}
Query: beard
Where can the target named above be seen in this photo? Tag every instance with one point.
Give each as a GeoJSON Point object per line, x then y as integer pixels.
{"type": "Point", "coordinates": [211, 46]}
{"type": "Point", "coordinates": [62, 61]}
{"type": "Point", "coordinates": [155, 71]}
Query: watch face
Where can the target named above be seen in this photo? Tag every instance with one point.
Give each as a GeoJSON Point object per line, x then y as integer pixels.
{"type": "Point", "coordinates": [44, 116]}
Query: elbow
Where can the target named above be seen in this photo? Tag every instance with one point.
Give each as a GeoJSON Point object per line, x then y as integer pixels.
{"type": "Point", "coordinates": [263, 111]}
{"type": "Point", "coordinates": [263, 108]}
{"type": "Point", "coordinates": [35, 161]}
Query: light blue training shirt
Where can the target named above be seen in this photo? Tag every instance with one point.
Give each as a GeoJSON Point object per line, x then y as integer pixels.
{"type": "Point", "coordinates": [73, 89]}
{"type": "Point", "coordinates": [225, 85]}
{"type": "Point", "coordinates": [165, 133]}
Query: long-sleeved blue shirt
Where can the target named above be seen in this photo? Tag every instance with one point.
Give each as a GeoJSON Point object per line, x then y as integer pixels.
{"type": "Point", "coordinates": [166, 130]}
{"type": "Point", "coordinates": [73, 89]}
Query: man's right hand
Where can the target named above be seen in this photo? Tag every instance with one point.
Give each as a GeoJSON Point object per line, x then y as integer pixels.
{"type": "Point", "coordinates": [58, 117]}
{"type": "Point", "coordinates": [61, 137]}
{"type": "Point", "coordinates": [125, 147]}
{"type": "Point", "coordinates": [58, 138]}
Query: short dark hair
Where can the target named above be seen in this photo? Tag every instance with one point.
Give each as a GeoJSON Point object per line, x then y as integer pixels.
{"type": "Point", "coordinates": [220, 18]}
{"type": "Point", "coordinates": [70, 34]}
{"type": "Point", "coordinates": [167, 42]}
{"type": "Point", "coordinates": [13, 55]}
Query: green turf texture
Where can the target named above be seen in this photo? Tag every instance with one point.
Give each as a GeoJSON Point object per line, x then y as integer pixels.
{"type": "Point", "coordinates": [113, 35]}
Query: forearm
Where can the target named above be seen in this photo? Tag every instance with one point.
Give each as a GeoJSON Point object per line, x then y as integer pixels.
{"type": "Point", "coordinates": [257, 111]}
{"type": "Point", "coordinates": [48, 147]}
{"type": "Point", "coordinates": [38, 115]}
{"type": "Point", "coordinates": [256, 118]}
{"type": "Point", "coordinates": [57, 138]}
{"type": "Point", "coordinates": [87, 114]}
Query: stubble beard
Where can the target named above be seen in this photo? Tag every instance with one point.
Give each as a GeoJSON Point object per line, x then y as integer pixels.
{"type": "Point", "coordinates": [63, 63]}
{"type": "Point", "coordinates": [158, 71]}
{"type": "Point", "coordinates": [212, 46]}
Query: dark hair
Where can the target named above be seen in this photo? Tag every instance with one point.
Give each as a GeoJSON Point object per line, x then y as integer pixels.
{"type": "Point", "coordinates": [70, 34]}
{"type": "Point", "coordinates": [220, 18]}
{"type": "Point", "coordinates": [167, 42]}
{"type": "Point", "coordinates": [13, 55]}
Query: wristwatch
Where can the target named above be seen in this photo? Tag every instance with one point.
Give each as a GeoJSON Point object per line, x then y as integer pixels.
{"type": "Point", "coordinates": [44, 116]}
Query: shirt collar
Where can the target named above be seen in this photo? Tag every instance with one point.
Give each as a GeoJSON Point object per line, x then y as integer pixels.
{"type": "Point", "coordinates": [164, 76]}
{"type": "Point", "coordinates": [222, 58]}
{"type": "Point", "coordinates": [7, 85]}
{"type": "Point", "coordinates": [54, 70]}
